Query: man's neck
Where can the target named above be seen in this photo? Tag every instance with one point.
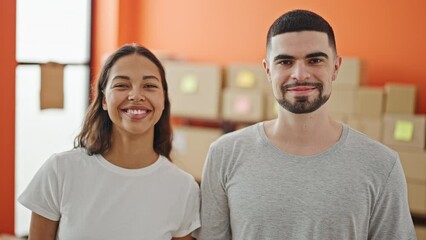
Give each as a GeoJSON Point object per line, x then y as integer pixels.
{"type": "Point", "coordinates": [303, 134]}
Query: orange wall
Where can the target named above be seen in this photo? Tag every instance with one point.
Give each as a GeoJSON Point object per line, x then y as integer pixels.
{"type": "Point", "coordinates": [382, 33]}
{"type": "Point", "coordinates": [7, 113]}
{"type": "Point", "coordinates": [387, 35]}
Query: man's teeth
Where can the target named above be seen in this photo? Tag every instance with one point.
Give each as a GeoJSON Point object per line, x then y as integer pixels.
{"type": "Point", "coordinates": [131, 111]}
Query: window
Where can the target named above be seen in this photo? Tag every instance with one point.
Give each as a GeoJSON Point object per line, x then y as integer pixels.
{"type": "Point", "coordinates": [57, 31]}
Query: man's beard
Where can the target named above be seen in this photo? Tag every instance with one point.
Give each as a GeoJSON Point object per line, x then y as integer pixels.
{"type": "Point", "coordinates": [301, 103]}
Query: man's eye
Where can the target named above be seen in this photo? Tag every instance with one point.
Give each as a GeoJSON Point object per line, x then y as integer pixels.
{"type": "Point", "coordinates": [315, 60]}
{"type": "Point", "coordinates": [285, 62]}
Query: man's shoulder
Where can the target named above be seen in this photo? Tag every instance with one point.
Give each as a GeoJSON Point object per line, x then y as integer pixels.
{"type": "Point", "coordinates": [243, 134]}
{"type": "Point", "coordinates": [371, 148]}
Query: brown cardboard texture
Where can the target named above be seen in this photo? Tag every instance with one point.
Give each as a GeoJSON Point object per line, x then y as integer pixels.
{"type": "Point", "coordinates": [370, 126]}
{"type": "Point", "coordinates": [52, 86]}
{"type": "Point", "coordinates": [272, 107]}
{"type": "Point", "coordinates": [414, 165]}
{"type": "Point", "coordinates": [190, 147]}
{"type": "Point", "coordinates": [342, 101]}
{"type": "Point", "coordinates": [351, 73]}
{"type": "Point", "coordinates": [194, 89]}
{"type": "Point", "coordinates": [400, 98]}
{"type": "Point", "coordinates": [417, 197]}
{"type": "Point", "coordinates": [369, 102]}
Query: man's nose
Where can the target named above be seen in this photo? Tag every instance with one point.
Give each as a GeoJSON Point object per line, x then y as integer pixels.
{"type": "Point", "coordinates": [300, 72]}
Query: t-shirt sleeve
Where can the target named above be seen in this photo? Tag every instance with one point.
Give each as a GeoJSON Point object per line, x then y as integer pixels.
{"type": "Point", "coordinates": [191, 219]}
{"type": "Point", "coordinates": [391, 218]}
{"type": "Point", "coordinates": [42, 194]}
{"type": "Point", "coordinates": [215, 223]}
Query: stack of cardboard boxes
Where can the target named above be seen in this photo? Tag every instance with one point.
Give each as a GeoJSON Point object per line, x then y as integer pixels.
{"type": "Point", "coordinates": [386, 114]}
{"type": "Point", "coordinates": [405, 132]}
{"type": "Point", "coordinates": [244, 93]}
{"type": "Point", "coordinates": [195, 91]}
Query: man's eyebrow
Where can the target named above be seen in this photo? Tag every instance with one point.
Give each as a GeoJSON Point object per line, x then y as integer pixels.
{"type": "Point", "coordinates": [283, 56]}
{"type": "Point", "coordinates": [316, 54]}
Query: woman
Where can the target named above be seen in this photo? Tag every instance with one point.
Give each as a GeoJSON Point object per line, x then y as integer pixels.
{"type": "Point", "coordinates": [118, 182]}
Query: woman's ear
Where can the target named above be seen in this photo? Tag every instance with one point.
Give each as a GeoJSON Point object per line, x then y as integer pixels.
{"type": "Point", "coordinates": [104, 105]}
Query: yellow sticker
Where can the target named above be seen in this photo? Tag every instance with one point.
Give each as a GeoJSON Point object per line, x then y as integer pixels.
{"type": "Point", "coordinates": [246, 79]}
{"type": "Point", "coordinates": [403, 131]}
{"type": "Point", "coordinates": [188, 84]}
{"type": "Point", "coordinates": [242, 105]}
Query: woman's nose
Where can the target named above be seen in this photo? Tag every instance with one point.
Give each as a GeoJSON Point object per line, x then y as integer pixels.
{"type": "Point", "coordinates": [136, 95]}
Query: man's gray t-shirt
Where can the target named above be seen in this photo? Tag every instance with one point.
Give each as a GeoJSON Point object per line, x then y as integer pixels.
{"type": "Point", "coordinates": [252, 190]}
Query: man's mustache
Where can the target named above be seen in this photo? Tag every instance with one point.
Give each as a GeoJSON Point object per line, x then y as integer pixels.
{"type": "Point", "coordinates": [303, 84]}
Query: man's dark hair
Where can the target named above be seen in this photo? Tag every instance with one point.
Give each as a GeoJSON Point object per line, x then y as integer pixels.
{"type": "Point", "coordinates": [300, 20]}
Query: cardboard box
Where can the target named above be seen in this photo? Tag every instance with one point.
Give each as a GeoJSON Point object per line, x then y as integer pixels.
{"type": "Point", "coordinates": [420, 232]}
{"type": "Point", "coordinates": [194, 89]}
{"type": "Point", "coordinates": [414, 165]}
{"type": "Point", "coordinates": [190, 147]}
{"type": "Point", "coordinates": [246, 76]}
{"type": "Point", "coordinates": [340, 117]}
{"type": "Point", "coordinates": [370, 126]}
{"type": "Point", "coordinates": [351, 73]}
{"type": "Point", "coordinates": [400, 98]}
{"type": "Point", "coordinates": [272, 107]}
{"type": "Point", "coordinates": [245, 105]}
{"type": "Point", "coordinates": [342, 101]}
{"type": "Point", "coordinates": [417, 197]}
{"type": "Point", "coordinates": [405, 131]}
{"type": "Point", "coordinates": [369, 102]}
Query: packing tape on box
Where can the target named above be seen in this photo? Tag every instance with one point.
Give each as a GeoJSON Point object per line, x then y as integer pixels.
{"type": "Point", "coordinates": [403, 131]}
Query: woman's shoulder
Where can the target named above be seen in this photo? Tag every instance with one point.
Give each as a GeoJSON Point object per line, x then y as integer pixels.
{"type": "Point", "coordinates": [176, 173]}
{"type": "Point", "coordinates": [73, 156]}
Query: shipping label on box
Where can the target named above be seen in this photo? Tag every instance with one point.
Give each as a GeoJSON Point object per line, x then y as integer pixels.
{"type": "Point", "coordinates": [405, 131]}
{"type": "Point", "coordinates": [245, 105]}
{"type": "Point", "coordinates": [246, 76]}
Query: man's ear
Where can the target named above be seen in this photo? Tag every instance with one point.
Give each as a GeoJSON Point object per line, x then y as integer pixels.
{"type": "Point", "coordinates": [337, 64]}
{"type": "Point", "coordinates": [267, 70]}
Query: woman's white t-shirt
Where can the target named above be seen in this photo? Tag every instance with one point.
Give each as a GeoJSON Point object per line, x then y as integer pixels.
{"type": "Point", "coordinates": [94, 199]}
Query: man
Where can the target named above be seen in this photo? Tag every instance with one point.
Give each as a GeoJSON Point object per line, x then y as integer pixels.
{"type": "Point", "coordinates": [302, 175]}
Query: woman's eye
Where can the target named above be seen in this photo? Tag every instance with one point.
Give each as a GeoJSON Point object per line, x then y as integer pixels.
{"type": "Point", "coordinates": [120, 86]}
{"type": "Point", "coordinates": [151, 86]}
